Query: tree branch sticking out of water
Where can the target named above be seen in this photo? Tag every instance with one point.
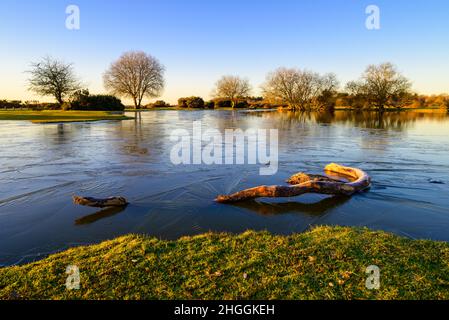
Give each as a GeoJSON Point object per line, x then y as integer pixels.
{"type": "Point", "coordinates": [302, 183]}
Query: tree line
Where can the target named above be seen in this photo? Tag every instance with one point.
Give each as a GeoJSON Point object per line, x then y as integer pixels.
{"type": "Point", "coordinates": [137, 75]}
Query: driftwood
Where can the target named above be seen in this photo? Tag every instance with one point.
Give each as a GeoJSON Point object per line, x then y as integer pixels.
{"type": "Point", "coordinates": [301, 183]}
{"type": "Point", "coordinates": [100, 203]}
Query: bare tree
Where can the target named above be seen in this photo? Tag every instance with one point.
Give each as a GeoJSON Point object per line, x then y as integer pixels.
{"type": "Point", "coordinates": [381, 85]}
{"type": "Point", "coordinates": [232, 88]}
{"type": "Point", "coordinates": [282, 85]}
{"type": "Point", "coordinates": [50, 77]}
{"type": "Point", "coordinates": [325, 92]}
{"type": "Point", "coordinates": [300, 89]}
{"type": "Point", "coordinates": [136, 75]}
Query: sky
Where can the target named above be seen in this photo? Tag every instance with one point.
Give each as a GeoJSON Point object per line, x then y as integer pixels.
{"type": "Point", "coordinates": [198, 41]}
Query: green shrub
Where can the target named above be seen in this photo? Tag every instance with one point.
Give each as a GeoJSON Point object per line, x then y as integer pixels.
{"type": "Point", "coordinates": [191, 102]}
{"type": "Point", "coordinates": [159, 104]}
{"type": "Point", "coordinates": [15, 104]}
{"type": "Point", "coordinates": [241, 104]}
{"type": "Point", "coordinates": [209, 105]}
{"type": "Point", "coordinates": [97, 102]}
{"type": "Point", "coordinates": [223, 103]}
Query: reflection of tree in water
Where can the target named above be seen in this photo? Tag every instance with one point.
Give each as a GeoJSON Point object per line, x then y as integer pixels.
{"type": "Point", "coordinates": [287, 120]}
{"type": "Point", "coordinates": [398, 121]}
{"type": "Point", "coordinates": [63, 133]}
{"type": "Point", "coordinates": [377, 120]}
{"type": "Point", "coordinates": [388, 120]}
{"type": "Point", "coordinates": [135, 137]}
{"type": "Point", "coordinates": [298, 129]}
{"type": "Point", "coordinates": [142, 136]}
{"type": "Point", "coordinates": [190, 115]}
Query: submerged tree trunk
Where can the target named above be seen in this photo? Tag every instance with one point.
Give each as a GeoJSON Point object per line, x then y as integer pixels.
{"type": "Point", "coordinates": [302, 183]}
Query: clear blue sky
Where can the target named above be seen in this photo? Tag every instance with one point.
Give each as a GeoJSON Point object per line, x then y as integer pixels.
{"type": "Point", "coordinates": [198, 41]}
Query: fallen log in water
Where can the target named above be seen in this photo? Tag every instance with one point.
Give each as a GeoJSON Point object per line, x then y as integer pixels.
{"type": "Point", "coordinates": [100, 203]}
{"type": "Point", "coordinates": [302, 183]}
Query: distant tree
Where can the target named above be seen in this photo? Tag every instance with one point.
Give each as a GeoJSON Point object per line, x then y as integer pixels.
{"type": "Point", "coordinates": [402, 100]}
{"type": "Point", "coordinates": [440, 101]}
{"type": "Point", "coordinates": [419, 101]}
{"type": "Point", "coordinates": [283, 84]}
{"type": "Point", "coordinates": [135, 75]}
{"type": "Point", "coordinates": [14, 104]}
{"type": "Point", "coordinates": [433, 101]}
{"type": "Point", "coordinates": [300, 89]}
{"type": "Point", "coordinates": [159, 104]}
{"type": "Point", "coordinates": [356, 97]}
{"type": "Point", "coordinates": [232, 88]}
{"type": "Point", "coordinates": [79, 95]}
{"type": "Point", "coordinates": [381, 85]}
{"type": "Point", "coordinates": [325, 94]}
{"type": "Point", "coordinates": [50, 77]}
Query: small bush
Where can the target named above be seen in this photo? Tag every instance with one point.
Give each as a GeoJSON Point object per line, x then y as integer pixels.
{"type": "Point", "coordinates": [159, 104]}
{"type": "Point", "coordinates": [241, 104]}
{"type": "Point", "coordinates": [223, 103]}
{"type": "Point", "coordinates": [209, 105]}
{"type": "Point", "coordinates": [98, 103]}
{"type": "Point", "coordinates": [15, 104]}
{"type": "Point", "coordinates": [191, 102]}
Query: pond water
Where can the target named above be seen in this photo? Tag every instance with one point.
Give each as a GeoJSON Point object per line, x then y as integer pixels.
{"type": "Point", "coordinates": [42, 166]}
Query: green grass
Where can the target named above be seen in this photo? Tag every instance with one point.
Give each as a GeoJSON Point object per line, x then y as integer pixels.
{"type": "Point", "coordinates": [60, 116]}
{"type": "Point", "coordinates": [325, 263]}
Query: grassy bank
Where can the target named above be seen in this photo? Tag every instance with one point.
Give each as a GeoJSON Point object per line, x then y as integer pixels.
{"type": "Point", "coordinates": [325, 263]}
{"type": "Point", "coordinates": [60, 116]}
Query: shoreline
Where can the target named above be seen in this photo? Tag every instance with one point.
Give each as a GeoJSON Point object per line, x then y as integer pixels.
{"type": "Point", "coordinates": [59, 116]}
{"type": "Point", "coordinates": [324, 263]}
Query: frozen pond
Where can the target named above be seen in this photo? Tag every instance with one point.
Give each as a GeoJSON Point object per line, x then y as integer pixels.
{"type": "Point", "coordinates": [42, 166]}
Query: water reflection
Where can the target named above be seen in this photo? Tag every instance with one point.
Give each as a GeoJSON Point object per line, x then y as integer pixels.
{"type": "Point", "coordinates": [42, 166]}
{"type": "Point", "coordinates": [387, 120]}
{"type": "Point", "coordinates": [319, 208]}
{"type": "Point", "coordinates": [102, 214]}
